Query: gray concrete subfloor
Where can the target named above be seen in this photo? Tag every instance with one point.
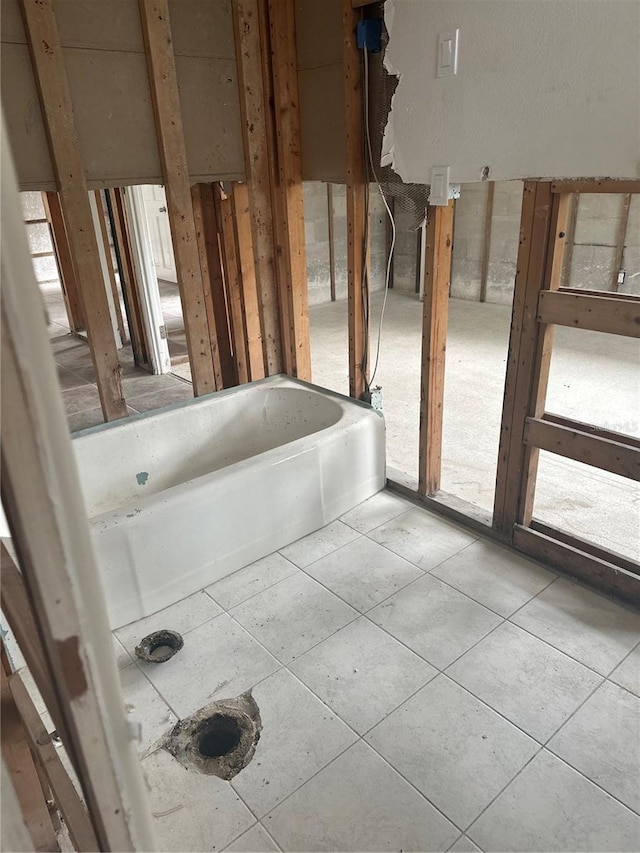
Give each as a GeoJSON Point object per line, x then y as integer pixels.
{"type": "Point", "coordinates": [594, 378]}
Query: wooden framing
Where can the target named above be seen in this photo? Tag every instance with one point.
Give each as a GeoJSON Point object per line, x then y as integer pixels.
{"type": "Point", "coordinates": [589, 448]}
{"type": "Point", "coordinates": [570, 238]}
{"type": "Point", "coordinates": [252, 57]}
{"type": "Point", "coordinates": [57, 110]}
{"type": "Point", "coordinates": [16, 754]}
{"type": "Point", "coordinates": [233, 284]}
{"type": "Point", "coordinates": [621, 236]}
{"type": "Point", "coordinates": [64, 794]}
{"type": "Point", "coordinates": [597, 313]}
{"type": "Point", "coordinates": [156, 30]}
{"type": "Point", "coordinates": [332, 248]}
{"type": "Point", "coordinates": [486, 246]}
{"type": "Point", "coordinates": [68, 280]}
{"type": "Point", "coordinates": [250, 306]}
{"type": "Point", "coordinates": [358, 294]}
{"type": "Point", "coordinates": [204, 210]}
{"type": "Point", "coordinates": [435, 308]}
{"type": "Point", "coordinates": [42, 500]}
{"type": "Point", "coordinates": [605, 574]}
{"type": "Point", "coordinates": [128, 278]}
{"type": "Point", "coordinates": [539, 304]}
{"type": "Point", "coordinates": [110, 269]}
{"type": "Point", "coordinates": [521, 360]}
{"type": "Point", "coordinates": [593, 186]}
{"type": "Point", "coordinates": [293, 287]}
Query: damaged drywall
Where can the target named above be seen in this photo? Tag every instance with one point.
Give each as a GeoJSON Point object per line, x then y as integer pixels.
{"type": "Point", "coordinates": [544, 88]}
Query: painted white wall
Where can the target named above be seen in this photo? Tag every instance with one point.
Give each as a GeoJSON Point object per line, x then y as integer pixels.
{"type": "Point", "coordinates": [545, 88]}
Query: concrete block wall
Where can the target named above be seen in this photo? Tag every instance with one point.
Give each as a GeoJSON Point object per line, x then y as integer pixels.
{"type": "Point", "coordinates": [594, 248]}
{"type": "Point", "coordinates": [317, 240]}
{"type": "Point", "coordinates": [593, 254]}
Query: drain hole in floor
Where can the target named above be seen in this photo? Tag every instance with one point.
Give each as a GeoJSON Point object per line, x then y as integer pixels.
{"type": "Point", "coordinates": [159, 646]}
{"type": "Point", "coordinates": [219, 739]}
{"type": "Point", "coordinates": [219, 736]}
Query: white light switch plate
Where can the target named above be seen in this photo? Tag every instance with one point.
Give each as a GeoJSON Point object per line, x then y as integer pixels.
{"type": "Point", "coordinates": [439, 191]}
{"type": "Point", "coordinates": [448, 53]}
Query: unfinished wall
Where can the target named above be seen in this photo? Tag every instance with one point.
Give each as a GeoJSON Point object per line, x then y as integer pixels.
{"type": "Point", "coordinates": [592, 258]}
{"type": "Point", "coordinates": [107, 71]}
{"type": "Point", "coordinates": [545, 88]}
{"type": "Point", "coordinates": [321, 82]}
{"type": "Point", "coordinates": [317, 241]}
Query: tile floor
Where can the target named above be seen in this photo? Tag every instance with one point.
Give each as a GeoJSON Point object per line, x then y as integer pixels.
{"type": "Point", "coordinates": [420, 689]}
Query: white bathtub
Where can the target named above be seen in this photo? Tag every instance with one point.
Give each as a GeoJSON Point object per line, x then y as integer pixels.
{"type": "Point", "coordinates": [180, 497]}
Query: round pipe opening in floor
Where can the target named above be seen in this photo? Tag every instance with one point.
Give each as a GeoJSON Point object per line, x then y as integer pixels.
{"type": "Point", "coordinates": [220, 736]}
{"type": "Point", "coordinates": [160, 646]}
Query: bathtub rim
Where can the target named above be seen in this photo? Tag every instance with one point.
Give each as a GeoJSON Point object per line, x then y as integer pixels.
{"type": "Point", "coordinates": [276, 379]}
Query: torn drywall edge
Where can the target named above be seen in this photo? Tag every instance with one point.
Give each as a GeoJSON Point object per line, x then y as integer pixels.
{"type": "Point", "coordinates": [573, 80]}
{"type": "Point", "coordinates": [387, 153]}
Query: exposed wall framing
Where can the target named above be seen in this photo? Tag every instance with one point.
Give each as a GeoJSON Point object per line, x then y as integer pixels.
{"type": "Point", "coordinates": [358, 294]}
{"type": "Point", "coordinates": [156, 30]}
{"type": "Point", "coordinates": [540, 303]}
{"type": "Point", "coordinates": [64, 146]}
{"type": "Point", "coordinates": [437, 278]}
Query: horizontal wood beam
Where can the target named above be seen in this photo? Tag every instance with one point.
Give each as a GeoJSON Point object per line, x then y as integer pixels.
{"type": "Point", "coordinates": [592, 429]}
{"type": "Point", "coordinates": [608, 186]}
{"type": "Point", "coordinates": [599, 314]}
{"type": "Point", "coordinates": [605, 554]}
{"type": "Point", "coordinates": [613, 456]}
{"type": "Point", "coordinates": [586, 567]}
{"type": "Point", "coordinates": [599, 294]}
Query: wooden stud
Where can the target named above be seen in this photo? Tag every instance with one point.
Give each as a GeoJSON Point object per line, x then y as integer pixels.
{"type": "Point", "coordinates": [389, 239]}
{"type": "Point", "coordinates": [254, 84]}
{"type": "Point", "coordinates": [534, 239]}
{"type": "Point", "coordinates": [16, 608]}
{"type": "Point", "coordinates": [618, 560]}
{"type": "Point", "coordinates": [570, 239]}
{"type": "Point", "coordinates": [332, 248]}
{"type": "Point", "coordinates": [291, 209]}
{"type": "Point", "coordinates": [541, 364]}
{"type": "Point", "coordinates": [597, 571]}
{"type": "Point", "coordinates": [156, 30]}
{"type": "Point", "coordinates": [486, 246]}
{"type": "Point", "coordinates": [209, 252]}
{"type": "Point", "coordinates": [614, 456]}
{"type": "Point", "coordinates": [600, 294]}
{"type": "Point", "coordinates": [606, 186]}
{"type": "Point", "coordinates": [358, 296]}
{"type": "Point", "coordinates": [242, 221]}
{"type": "Point", "coordinates": [64, 793]}
{"type": "Point", "coordinates": [129, 282]}
{"type": "Point", "coordinates": [437, 279]}
{"type": "Point", "coordinates": [597, 313]}
{"type": "Point", "coordinates": [110, 269]}
{"type": "Point", "coordinates": [419, 271]}
{"type": "Point", "coordinates": [233, 285]}
{"type": "Point", "coordinates": [60, 240]}
{"type": "Point", "coordinates": [16, 754]}
{"type": "Point", "coordinates": [621, 237]}
{"type": "Point", "coordinates": [592, 429]}
{"type": "Point", "coordinates": [64, 146]}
